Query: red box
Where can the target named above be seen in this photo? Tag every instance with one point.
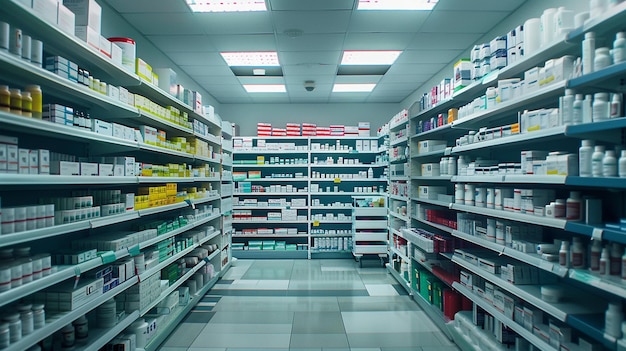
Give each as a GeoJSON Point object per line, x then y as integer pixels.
{"type": "Point", "coordinates": [451, 303]}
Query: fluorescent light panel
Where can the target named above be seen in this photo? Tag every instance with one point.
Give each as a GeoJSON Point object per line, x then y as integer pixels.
{"type": "Point", "coordinates": [226, 6]}
{"type": "Point", "coordinates": [406, 5]}
{"type": "Point", "coordinates": [265, 88]}
{"type": "Point", "coordinates": [353, 88]}
{"type": "Point", "coordinates": [254, 59]}
{"type": "Point", "coordinates": [371, 57]}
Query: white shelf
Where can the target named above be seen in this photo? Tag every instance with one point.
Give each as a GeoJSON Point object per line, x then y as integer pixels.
{"type": "Point", "coordinates": [399, 216]}
{"type": "Point", "coordinates": [397, 252]}
{"type": "Point", "coordinates": [498, 178]}
{"type": "Point", "coordinates": [399, 198]}
{"type": "Point", "coordinates": [431, 202]}
{"type": "Point", "coordinates": [343, 152]}
{"type": "Point", "coordinates": [295, 165]}
{"type": "Point", "coordinates": [402, 140]}
{"type": "Point", "coordinates": [331, 207]}
{"type": "Point", "coordinates": [445, 177]}
{"type": "Point", "coordinates": [276, 180]}
{"type": "Point", "coordinates": [299, 193]}
{"type": "Point", "coordinates": [519, 217]}
{"type": "Point", "coordinates": [610, 284]}
{"type": "Point", "coordinates": [269, 208]}
{"type": "Point", "coordinates": [351, 165]}
{"type": "Point", "coordinates": [341, 180]}
{"type": "Point", "coordinates": [272, 152]}
{"type": "Point", "coordinates": [513, 139]}
{"type": "Point", "coordinates": [435, 225]}
{"type": "Point", "coordinates": [268, 222]}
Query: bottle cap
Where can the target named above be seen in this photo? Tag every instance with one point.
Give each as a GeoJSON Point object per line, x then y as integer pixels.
{"type": "Point", "coordinates": [587, 142]}
{"type": "Point", "coordinates": [574, 195]}
{"type": "Point", "coordinates": [579, 96]}
{"type": "Point", "coordinates": [609, 153]}
{"type": "Point", "coordinates": [569, 92]}
{"type": "Point", "coordinates": [620, 35]}
{"type": "Point", "coordinates": [590, 35]}
{"type": "Point", "coordinates": [599, 148]}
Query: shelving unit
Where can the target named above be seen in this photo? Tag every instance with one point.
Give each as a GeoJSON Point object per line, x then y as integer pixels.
{"type": "Point", "coordinates": [297, 174]}
{"type": "Point", "coordinates": [200, 210]}
{"type": "Point", "coordinates": [585, 318]}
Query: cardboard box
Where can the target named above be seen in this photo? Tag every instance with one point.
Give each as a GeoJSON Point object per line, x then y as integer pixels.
{"type": "Point", "coordinates": [168, 80]}
{"type": "Point", "coordinates": [88, 13]}
{"type": "Point", "coordinates": [116, 54]}
{"type": "Point", "coordinates": [46, 9]}
{"type": "Point", "coordinates": [88, 35]}
{"type": "Point", "coordinates": [33, 161]}
{"type": "Point", "coordinates": [105, 46]}
{"type": "Point", "coordinates": [102, 127]}
{"type": "Point", "coordinates": [23, 161]}
{"type": "Point", "coordinates": [105, 170]}
{"type": "Point", "coordinates": [66, 20]}
{"type": "Point", "coordinates": [88, 169]}
{"type": "Point", "coordinates": [44, 161]}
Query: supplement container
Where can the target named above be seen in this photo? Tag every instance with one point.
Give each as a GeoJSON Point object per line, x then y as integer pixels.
{"type": "Point", "coordinates": [15, 41]}
{"type": "Point", "coordinates": [589, 49]}
{"type": "Point", "coordinates": [26, 47]}
{"type": "Point", "coordinates": [5, 277]}
{"type": "Point", "coordinates": [578, 254]}
{"type": "Point", "coordinates": [140, 328]}
{"type": "Point", "coordinates": [596, 161]}
{"type": "Point", "coordinates": [5, 340]}
{"type": "Point", "coordinates": [619, 47]}
{"type": "Point", "coordinates": [613, 319]}
{"type": "Point", "coordinates": [36, 52]}
{"type": "Point", "coordinates": [81, 327]}
{"type": "Point", "coordinates": [27, 270]}
{"type": "Point", "coordinates": [16, 274]}
{"type": "Point", "coordinates": [601, 110]}
{"type": "Point", "coordinates": [26, 316]}
{"type": "Point", "coordinates": [129, 51]}
{"type": "Point", "coordinates": [573, 207]}
{"type": "Point", "coordinates": [622, 165]}
{"type": "Point", "coordinates": [4, 36]}
{"type": "Point", "coordinates": [602, 59]}
{"type": "Point", "coordinates": [15, 326]}
{"type": "Point", "coordinates": [31, 217]}
{"type": "Point", "coordinates": [68, 337]}
{"type": "Point", "coordinates": [551, 293]}
{"type": "Point", "coordinates": [37, 97]}
{"type": "Point", "coordinates": [39, 316]}
{"type": "Point", "coordinates": [609, 164]}
{"type": "Point", "coordinates": [16, 101]}
{"type": "Point", "coordinates": [20, 219]}
{"type": "Point", "coordinates": [5, 98]}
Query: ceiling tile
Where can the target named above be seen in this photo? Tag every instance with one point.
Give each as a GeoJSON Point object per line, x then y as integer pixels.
{"type": "Point", "coordinates": [196, 58]}
{"type": "Point", "coordinates": [462, 21]}
{"type": "Point", "coordinates": [357, 79]}
{"type": "Point", "coordinates": [312, 21]}
{"type": "Point", "coordinates": [387, 21]}
{"type": "Point", "coordinates": [184, 43]}
{"type": "Point", "coordinates": [252, 42]}
{"type": "Point", "coordinates": [348, 97]}
{"type": "Point", "coordinates": [148, 6]}
{"type": "Point", "coordinates": [270, 98]}
{"type": "Point", "coordinates": [427, 68]}
{"type": "Point", "coordinates": [177, 23]}
{"type": "Point", "coordinates": [444, 41]}
{"type": "Point", "coordinates": [310, 70]}
{"type": "Point", "coordinates": [291, 5]}
{"type": "Point", "coordinates": [478, 5]}
{"type": "Point", "coordinates": [261, 80]}
{"type": "Point", "coordinates": [309, 57]}
{"type": "Point", "coordinates": [428, 56]}
{"type": "Point", "coordinates": [404, 78]}
{"type": "Point", "coordinates": [236, 23]}
{"type": "Point", "coordinates": [203, 71]}
{"type": "Point", "coordinates": [378, 41]}
{"type": "Point", "coordinates": [311, 42]}
{"type": "Point", "coordinates": [319, 80]}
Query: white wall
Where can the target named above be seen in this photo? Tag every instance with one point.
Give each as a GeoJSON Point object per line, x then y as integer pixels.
{"type": "Point", "coordinates": [530, 9]}
{"type": "Point", "coordinates": [114, 25]}
{"type": "Point", "coordinates": [246, 116]}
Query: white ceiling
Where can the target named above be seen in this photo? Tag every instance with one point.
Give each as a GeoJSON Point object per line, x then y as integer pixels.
{"type": "Point", "coordinates": [430, 41]}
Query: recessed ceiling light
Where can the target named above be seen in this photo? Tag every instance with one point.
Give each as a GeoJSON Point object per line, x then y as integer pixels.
{"type": "Point", "coordinates": [262, 58]}
{"type": "Point", "coordinates": [265, 88]}
{"type": "Point", "coordinates": [353, 88]}
{"type": "Point", "coordinates": [408, 5]}
{"type": "Point", "coordinates": [369, 57]}
{"type": "Point", "coordinates": [226, 6]}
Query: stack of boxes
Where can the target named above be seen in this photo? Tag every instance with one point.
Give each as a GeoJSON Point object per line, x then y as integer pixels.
{"type": "Point", "coordinates": [309, 129]}
{"type": "Point", "coordinates": [264, 129]}
{"type": "Point", "coordinates": [293, 129]}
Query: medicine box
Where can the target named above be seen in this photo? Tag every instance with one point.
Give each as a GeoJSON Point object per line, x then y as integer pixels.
{"type": "Point", "coordinates": [102, 127]}
{"type": "Point", "coordinates": [462, 74]}
{"type": "Point", "coordinates": [426, 146]}
{"type": "Point", "coordinates": [430, 192]}
{"type": "Point", "coordinates": [105, 170]}
{"type": "Point", "coordinates": [88, 169]}
{"type": "Point", "coordinates": [105, 46]}
{"type": "Point", "coordinates": [116, 54]}
{"type": "Point", "coordinates": [46, 9]}
{"type": "Point", "coordinates": [168, 80]}
{"type": "Point", "coordinates": [88, 35]}
{"type": "Point", "coordinates": [23, 161]}
{"type": "Point", "coordinates": [44, 161]}
{"type": "Point", "coordinates": [87, 12]}
{"type": "Point", "coordinates": [66, 20]}
{"type": "Point", "coordinates": [430, 170]}
{"type": "Point", "coordinates": [33, 161]}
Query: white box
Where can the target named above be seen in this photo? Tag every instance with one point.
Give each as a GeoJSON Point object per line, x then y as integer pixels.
{"type": "Point", "coordinates": [426, 146]}
{"type": "Point", "coordinates": [116, 54]}
{"type": "Point", "coordinates": [113, 92]}
{"type": "Point", "coordinates": [66, 21]}
{"type": "Point", "coordinates": [88, 13]}
{"type": "Point", "coordinates": [359, 145]}
{"type": "Point", "coordinates": [12, 159]}
{"type": "Point", "coordinates": [105, 46]}
{"type": "Point", "coordinates": [430, 170]}
{"type": "Point", "coordinates": [33, 161]}
{"type": "Point", "coordinates": [366, 145]}
{"type": "Point", "coordinates": [23, 161]}
{"type": "Point", "coordinates": [374, 145]}
{"type": "Point", "coordinates": [430, 192]}
{"type": "Point", "coordinates": [102, 127]}
{"type": "Point", "coordinates": [3, 158]}
{"type": "Point", "coordinates": [65, 168]}
{"type": "Point", "coordinates": [167, 80]}
{"type": "Point", "coordinates": [88, 35]}
{"type": "Point", "coordinates": [118, 130]}
{"type": "Point", "coordinates": [105, 170]}
{"type": "Point", "coordinates": [44, 161]}
{"type": "Point", "coordinates": [88, 169]}
{"type": "Point", "coordinates": [47, 9]}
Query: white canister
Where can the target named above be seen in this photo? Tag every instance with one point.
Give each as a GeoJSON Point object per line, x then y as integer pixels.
{"type": "Point", "coordinates": [5, 29]}
{"type": "Point", "coordinates": [31, 217]}
{"type": "Point", "coordinates": [532, 36]}
{"type": "Point", "coordinates": [20, 219]}
{"type": "Point", "coordinates": [49, 215]}
{"type": "Point", "coordinates": [15, 41]}
{"type": "Point", "coordinates": [140, 329]}
{"type": "Point", "coordinates": [580, 18]}
{"type": "Point", "coordinates": [40, 222]}
{"type": "Point", "coordinates": [470, 190]}
{"type": "Point", "coordinates": [26, 47]}
{"type": "Point", "coordinates": [5, 278]}
{"type": "Point", "coordinates": [480, 199]}
{"type": "Point", "coordinates": [459, 193]}
{"type": "Point", "coordinates": [129, 51]}
{"type": "Point", "coordinates": [8, 221]}
{"type": "Point", "coordinates": [36, 52]}
{"type": "Point", "coordinates": [547, 26]}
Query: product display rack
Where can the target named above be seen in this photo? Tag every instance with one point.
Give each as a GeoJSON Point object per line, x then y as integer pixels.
{"type": "Point", "coordinates": [227, 190]}
{"type": "Point", "coordinates": [36, 133]}
{"type": "Point", "coordinates": [584, 318]}
{"type": "Point", "coordinates": [324, 225]}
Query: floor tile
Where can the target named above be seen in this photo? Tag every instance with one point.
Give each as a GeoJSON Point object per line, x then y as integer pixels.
{"type": "Point", "coordinates": [199, 317]}
{"type": "Point", "coordinates": [318, 340]}
{"type": "Point", "coordinates": [381, 290]}
{"type": "Point", "coordinates": [318, 323]}
{"type": "Point", "coordinates": [377, 303]}
{"type": "Point", "coordinates": [439, 348]}
{"type": "Point", "coordinates": [410, 340]}
{"type": "Point", "coordinates": [259, 341]}
{"type": "Point", "coordinates": [167, 348]}
{"type": "Point", "coordinates": [249, 328]}
{"type": "Point", "coordinates": [184, 335]}
{"type": "Point", "coordinates": [388, 322]}
{"type": "Point", "coordinates": [253, 317]}
{"type": "Point", "coordinates": [205, 349]}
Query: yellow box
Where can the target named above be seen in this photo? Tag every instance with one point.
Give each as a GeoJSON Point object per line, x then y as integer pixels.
{"type": "Point", "coordinates": [143, 70]}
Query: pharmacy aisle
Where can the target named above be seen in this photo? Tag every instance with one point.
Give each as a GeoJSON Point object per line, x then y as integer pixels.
{"type": "Point", "coordinates": [307, 305]}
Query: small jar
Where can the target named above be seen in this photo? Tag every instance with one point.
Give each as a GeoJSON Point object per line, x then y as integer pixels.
{"type": "Point", "coordinates": [601, 108]}
{"type": "Point", "coordinates": [602, 59]}
{"type": "Point", "coordinates": [27, 104]}
{"type": "Point", "coordinates": [5, 340]}
{"type": "Point", "coordinates": [15, 326]}
{"type": "Point", "coordinates": [16, 274]}
{"type": "Point", "coordinates": [68, 338]}
{"type": "Point", "coordinates": [27, 270]}
{"type": "Point", "coordinates": [5, 277]}
{"type": "Point", "coordinates": [37, 100]}
{"type": "Point", "coordinates": [5, 98]}
{"type": "Point", "coordinates": [39, 316]}
{"type": "Point", "coordinates": [81, 328]}
{"type": "Point", "coordinates": [26, 316]}
{"type": "Point", "coordinates": [16, 101]}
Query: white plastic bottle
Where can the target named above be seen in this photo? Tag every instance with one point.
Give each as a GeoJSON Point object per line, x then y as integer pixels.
{"type": "Point", "coordinates": [585, 153]}
{"type": "Point", "coordinates": [451, 166]}
{"type": "Point", "coordinates": [594, 257]}
{"type": "Point", "coordinates": [601, 107]}
{"type": "Point", "coordinates": [596, 161]}
{"type": "Point", "coordinates": [370, 173]}
{"type": "Point", "coordinates": [567, 106]}
{"type": "Point", "coordinates": [577, 109]}
{"type": "Point", "coordinates": [564, 254]}
{"type": "Point", "coordinates": [602, 59]}
{"type": "Point", "coordinates": [577, 254]}
{"type": "Point", "coordinates": [589, 48]}
{"type": "Point", "coordinates": [619, 47]}
{"type": "Point", "coordinates": [573, 207]}
{"type": "Point", "coordinates": [615, 110]}
{"type": "Point", "coordinates": [609, 164]}
{"type": "Point", "coordinates": [603, 268]}
{"type": "Point", "coordinates": [621, 170]}
{"type": "Point", "coordinates": [613, 320]}
{"type": "Point", "coordinates": [588, 109]}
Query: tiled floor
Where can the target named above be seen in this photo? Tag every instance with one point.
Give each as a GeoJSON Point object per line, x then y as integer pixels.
{"type": "Point", "coordinates": [307, 305]}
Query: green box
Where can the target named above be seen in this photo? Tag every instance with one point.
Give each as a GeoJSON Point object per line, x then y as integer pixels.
{"type": "Point", "coordinates": [424, 282]}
